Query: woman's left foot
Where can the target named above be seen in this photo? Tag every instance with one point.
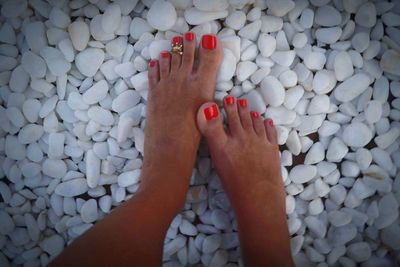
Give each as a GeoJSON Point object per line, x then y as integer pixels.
{"type": "Point", "coordinates": [176, 91]}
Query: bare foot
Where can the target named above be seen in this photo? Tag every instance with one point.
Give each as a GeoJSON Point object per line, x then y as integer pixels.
{"type": "Point", "coordinates": [176, 91]}
{"type": "Point", "coordinates": [246, 157]}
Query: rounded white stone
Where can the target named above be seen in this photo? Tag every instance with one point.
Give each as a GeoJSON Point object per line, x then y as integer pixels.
{"type": "Point", "coordinates": [357, 134]}
{"type": "Point", "coordinates": [272, 91]}
{"type": "Point", "coordinates": [89, 61]}
{"type": "Point", "coordinates": [162, 15]}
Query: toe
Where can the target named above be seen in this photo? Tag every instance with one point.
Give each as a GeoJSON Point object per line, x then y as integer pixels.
{"type": "Point", "coordinates": [258, 123]}
{"type": "Point", "coordinates": [235, 126]}
{"type": "Point", "coordinates": [164, 64]}
{"type": "Point", "coordinates": [153, 73]}
{"type": "Point", "coordinates": [189, 47]}
{"type": "Point", "coordinates": [210, 56]}
{"type": "Point", "coordinates": [244, 114]}
{"type": "Point", "coordinates": [271, 131]}
{"type": "Point", "coordinates": [210, 125]}
{"type": "Point", "coordinates": [176, 58]}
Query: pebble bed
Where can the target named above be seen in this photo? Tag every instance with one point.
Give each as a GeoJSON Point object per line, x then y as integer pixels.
{"type": "Point", "coordinates": [73, 77]}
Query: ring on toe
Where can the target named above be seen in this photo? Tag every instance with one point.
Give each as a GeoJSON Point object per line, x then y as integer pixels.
{"type": "Point", "coordinates": [177, 45]}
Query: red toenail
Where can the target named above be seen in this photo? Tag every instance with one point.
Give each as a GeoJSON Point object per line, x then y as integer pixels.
{"type": "Point", "coordinates": [215, 110]}
{"type": "Point", "coordinates": [243, 102]}
{"type": "Point", "coordinates": [177, 40]}
{"type": "Point", "coordinates": [255, 114]}
{"type": "Point", "coordinates": [189, 36]}
{"type": "Point", "coordinates": [165, 54]}
{"type": "Point", "coordinates": [271, 123]}
{"type": "Point", "coordinates": [152, 63]}
{"type": "Point", "coordinates": [229, 100]}
{"type": "Point", "coordinates": [209, 41]}
{"type": "Point", "coordinates": [209, 113]}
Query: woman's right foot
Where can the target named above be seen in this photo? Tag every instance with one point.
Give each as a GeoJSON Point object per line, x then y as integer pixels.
{"type": "Point", "coordinates": [246, 157]}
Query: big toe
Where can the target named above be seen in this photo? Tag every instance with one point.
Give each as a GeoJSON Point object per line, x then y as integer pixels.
{"type": "Point", "coordinates": [209, 122]}
{"type": "Point", "coordinates": [210, 56]}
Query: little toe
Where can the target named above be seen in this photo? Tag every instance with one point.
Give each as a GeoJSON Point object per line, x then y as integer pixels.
{"type": "Point", "coordinates": [176, 59]}
{"type": "Point", "coordinates": [270, 129]}
{"type": "Point", "coordinates": [189, 48]}
{"type": "Point", "coordinates": [244, 114]}
{"type": "Point", "coordinates": [258, 123]}
{"type": "Point", "coordinates": [153, 73]}
{"type": "Point", "coordinates": [164, 64]}
{"type": "Point", "coordinates": [210, 56]}
{"type": "Point", "coordinates": [210, 125]}
{"type": "Point", "coordinates": [230, 106]}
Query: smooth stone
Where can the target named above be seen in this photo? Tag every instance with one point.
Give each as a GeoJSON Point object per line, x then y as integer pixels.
{"type": "Point", "coordinates": [328, 35]}
{"type": "Point", "coordinates": [272, 91]}
{"type": "Point", "coordinates": [357, 134]}
{"type": "Point", "coordinates": [13, 9]}
{"type": "Point", "coordinates": [7, 34]}
{"type": "Point", "coordinates": [96, 93]}
{"type": "Point", "coordinates": [251, 30]}
{"type": "Point", "coordinates": [390, 62]}
{"type": "Point", "coordinates": [327, 16]}
{"type": "Point", "coordinates": [236, 19]}
{"type": "Point", "coordinates": [211, 243]}
{"type": "Point", "coordinates": [53, 245]}
{"type": "Point", "coordinates": [366, 15]}
{"type": "Point", "coordinates": [307, 18]}
{"type": "Point", "coordinates": [256, 101]}
{"type": "Point", "coordinates": [89, 61]}
{"type": "Point", "coordinates": [79, 34]}
{"type": "Point", "coordinates": [35, 36]}
{"type": "Point", "coordinates": [126, 100]}
{"type": "Point", "coordinates": [33, 64]}
{"type": "Point", "coordinates": [359, 251]}
{"type": "Point", "coordinates": [59, 18]}
{"type": "Point", "coordinates": [360, 41]}
{"type": "Point", "coordinates": [111, 18]}
{"type": "Point", "coordinates": [30, 109]}
{"type": "Point", "coordinates": [194, 16]}
{"type": "Point", "coordinates": [227, 67]}
{"type": "Point", "coordinates": [315, 60]}
{"type": "Point", "coordinates": [30, 133]}
{"type": "Point", "coordinates": [14, 149]}
{"type": "Point", "coordinates": [280, 8]}
{"type": "Point", "coordinates": [388, 211]}
{"type": "Point", "coordinates": [352, 87]}
{"type": "Point", "coordinates": [55, 61]}
{"type": "Point", "coordinates": [302, 173]}
{"type": "Point", "coordinates": [88, 211]}
{"type": "Point", "coordinates": [92, 163]}
{"type": "Point", "coordinates": [316, 226]}
{"type": "Point", "coordinates": [7, 225]}
{"type": "Point", "coordinates": [19, 80]}
{"type": "Point", "coordinates": [101, 115]}
{"type": "Point", "coordinates": [293, 96]}
{"type": "Point", "coordinates": [72, 188]}
{"type": "Point", "coordinates": [56, 145]}
{"type": "Point", "coordinates": [315, 154]}
{"type": "Point", "coordinates": [129, 178]}
{"type": "Point", "coordinates": [117, 47]}
{"type": "Point", "coordinates": [343, 66]}
{"type": "Point", "coordinates": [328, 128]}
{"type": "Point", "coordinates": [162, 15]}
{"type": "Point", "coordinates": [283, 58]}
{"type": "Point", "coordinates": [54, 168]}
{"type": "Point", "coordinates": [187, 228]}
{"type": "Point", "coordinates": [319, 104]}
{"type": "Point", "coordinates": [96, 30]}
{"type": "Point", "coordinates": [244, 69]}
{"type": "Point", "coordinates": [157, 46]}
{"type": "Point", "coordinates": [336, 150]}
{"type": "Point", "coordinates": [324, 81]}
{"type": "Point", "coordinates": [387, 139]}
{"type": "Point", "coordinates": [138, 27]}
{"type": "Point", "coordinates": [373, 111]}
{"type": "Point", "coordinates": [125, 70]}
{"type": "Point", "coordinates": [210, 5]}
{"type": "Point", "coordinates": [75, 101]}
{"type": "Point", "coordinates": [266, 44]}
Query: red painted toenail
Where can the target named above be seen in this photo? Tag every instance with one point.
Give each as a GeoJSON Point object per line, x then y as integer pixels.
{"type": "Point", "coordinates": [152, 63]}
{"type": "Point", "coordinates": [215, 110]}
{"type": "Point", "coordinates": [177, 40]}
{"type": "Point", "coordinates": [165, 54]}
{"type": "Point", "coordinates": [209, 41]}
{"type": "Point", "coordinates": [209, 113]}
{"type": "Point", "coordinates": [243, 102]}
{"type": "Point", "coordinates": [229, 100]}
{"type": "Point", "coordinates": [255, 114]}
{"type": "Point", "coordinates": [189, 36]}
{"type": "Point", "coordinates": [271, 123]}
